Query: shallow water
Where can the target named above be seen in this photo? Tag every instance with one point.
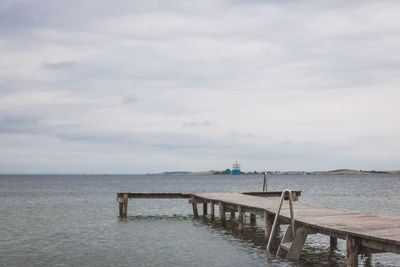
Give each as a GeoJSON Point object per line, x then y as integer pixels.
{"type": "Point", "coordinates": [72, 220]}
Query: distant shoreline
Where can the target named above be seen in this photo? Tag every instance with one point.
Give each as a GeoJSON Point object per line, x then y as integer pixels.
{"type": "Point", "coordinates": [332, 172]}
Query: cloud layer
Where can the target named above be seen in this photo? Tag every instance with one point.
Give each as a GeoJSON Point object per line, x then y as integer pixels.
{"type": "Point", "coordinates": [148, 86]}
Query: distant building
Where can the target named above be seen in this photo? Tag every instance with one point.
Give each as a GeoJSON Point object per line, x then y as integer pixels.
{"type": "Point", "coordinates": [235, 168]}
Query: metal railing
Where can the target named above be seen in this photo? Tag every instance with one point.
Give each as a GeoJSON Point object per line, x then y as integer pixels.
{"type": "Point", "coordinates": [276, 219]}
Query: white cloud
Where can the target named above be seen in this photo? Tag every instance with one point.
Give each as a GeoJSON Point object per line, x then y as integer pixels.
{"type": "Point", "coordinates": [195, 85]}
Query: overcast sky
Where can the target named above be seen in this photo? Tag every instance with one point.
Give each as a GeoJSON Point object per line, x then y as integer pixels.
{"type": "Point", "coordinates": [149, 86]}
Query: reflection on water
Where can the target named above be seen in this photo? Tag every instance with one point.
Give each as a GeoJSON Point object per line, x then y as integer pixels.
{"type": "Point", "coordinates": [73, 221]}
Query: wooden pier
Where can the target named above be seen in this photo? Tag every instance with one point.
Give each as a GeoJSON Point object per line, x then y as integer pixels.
{"type": "Point", "coordinates": [364, 233]}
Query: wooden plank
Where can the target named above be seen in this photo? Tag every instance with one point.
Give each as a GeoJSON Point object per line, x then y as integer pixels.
{"type": "Point", "coordinates": [157, 195]}
{"type": "Point", "coordinates": [189, 195]}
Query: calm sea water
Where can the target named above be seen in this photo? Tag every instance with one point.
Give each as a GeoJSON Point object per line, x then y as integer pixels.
{"type": "Point", "coordinates": [71, 220]}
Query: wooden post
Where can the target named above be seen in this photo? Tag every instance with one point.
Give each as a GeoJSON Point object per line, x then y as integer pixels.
{"type": "Point", "coordinates": [120, 205]}
{"type": "Point", "coordinates": [265, 186]}
{"type": "Point", "coordinates": [352, 248]}
{"type": "Point", "coordinates": [124, 205]}
{"type": "Point", "coordinates": [212, 210]}
{"type": "Point", "coordinates": [253, 219]}
{"type": "Point", "coordinates": [222, 213]}
{"type": "Point", "coordinates": [298, 243]}
{"type": "Point", "coordinates": [333, 241]}
{"type": "Point", "coordinates": [233, 214]}
{"type": "Point", "coordinates": [204, 208]}
{"type": "Point", "coordinates": [267, 225]}
{"type": "Point", "coordinates": [195, 212]}
{"type": "Point", "coordinates": [240, 215]}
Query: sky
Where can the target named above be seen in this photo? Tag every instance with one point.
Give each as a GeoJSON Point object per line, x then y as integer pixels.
{"type": "Point", "coordinates": [151, 86]}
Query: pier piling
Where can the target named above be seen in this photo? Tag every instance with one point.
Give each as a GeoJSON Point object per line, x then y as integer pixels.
{"type": "Point", "coordinates": [253, 219]}
{"type": "Point", "coordinates": [212, 215]}
{"type": "Point", "coordinates": [205, 209]}
{"type": "Point", "coordinates": [240, 218]}
{"type": "Point", "coordinates": [352, 248]}
{"type": "Point", "coordinates": [222, 213]}
{"type": "Point", "coordinates": [195, 212]}
{"type": "Point", "coordinates": [333, 242]}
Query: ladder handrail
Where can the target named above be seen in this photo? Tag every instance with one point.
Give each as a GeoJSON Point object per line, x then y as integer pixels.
{"type": "Point", "coordinates": [276, 218]}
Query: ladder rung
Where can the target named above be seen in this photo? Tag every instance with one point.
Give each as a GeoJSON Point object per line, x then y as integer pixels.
{"type": "Point", "coordinates": [286, 246]}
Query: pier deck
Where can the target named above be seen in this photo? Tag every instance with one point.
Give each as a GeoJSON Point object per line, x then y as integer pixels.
{"type": "Point", "coordinates": [364, 233]}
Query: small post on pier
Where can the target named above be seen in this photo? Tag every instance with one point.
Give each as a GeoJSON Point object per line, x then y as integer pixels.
{"type": "Point", "coordinates": [222, 213]}
{"type": "Point", "coordinates": [352, 248]}
{"type": "Point", "coordinates": [240, 215]}
{"type": "Point", "coordinates": [212, 210]}
{"type": "Point", "coordinates": [265, 186]}
{"type": "Point", "coordinates": [253, 218]}
{"type": "Point", "coordinates": [204, 208]}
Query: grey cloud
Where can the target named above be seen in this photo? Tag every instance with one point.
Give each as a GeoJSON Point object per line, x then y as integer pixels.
{"type": "Point", "coordinates": [129, 100]}
{"type": "Point", "coordinates": [18, 124]}
{"type": "Point", "coordinates": [190, 60]}
{"type": "Point", "coordinates": [196, 124]}
{"type": "Point", "coordinates": [59, 65]}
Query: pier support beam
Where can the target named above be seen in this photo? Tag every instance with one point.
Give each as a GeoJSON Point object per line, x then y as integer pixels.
{"type": "Point", "coordinates": [268, 221]}
{"type": "Point", "coordinates": [212, 210]}
{"type": "Point", "coordinates": [222, 213]}
{"type": "Point", "coordinates": [253, 219]}
{"type": "Point", "coordinates": [333, 242]}
{"type": "Point", "coordinates": [352, 248]}
{"type": "Point", "coordinates": [120, 206]}
{"type": "Point", "coordinates": [240, 215]}
{"type": "Point", "coordinates": [195, 212]}
{"type": "Point", "coordinates": [123, 206]}
{"type": "Point", "coordinates": [204, 208]}
{"type": "Point", "coordinates": [233, 214]}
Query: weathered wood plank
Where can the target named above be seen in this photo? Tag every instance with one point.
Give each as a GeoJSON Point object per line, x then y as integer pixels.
{"type": "Point", "coordinates": [189, 195]}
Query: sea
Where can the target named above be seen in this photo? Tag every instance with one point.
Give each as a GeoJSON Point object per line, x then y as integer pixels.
{"type": "Point", "coordinates": [72, 220]}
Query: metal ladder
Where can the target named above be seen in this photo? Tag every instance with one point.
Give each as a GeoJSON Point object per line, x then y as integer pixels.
{"type": "Point", "coordinates": [287, 240]}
